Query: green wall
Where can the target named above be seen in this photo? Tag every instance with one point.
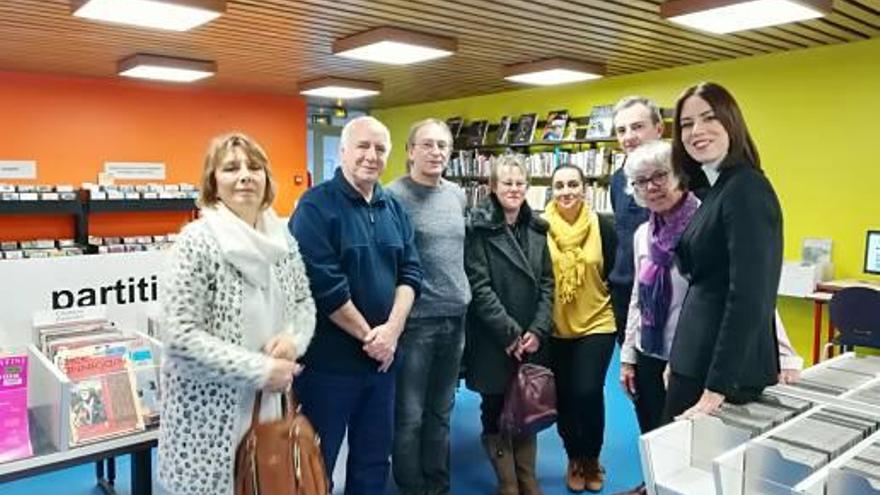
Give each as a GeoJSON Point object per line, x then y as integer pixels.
{"type": "Point", "coordinates": [813, 113]}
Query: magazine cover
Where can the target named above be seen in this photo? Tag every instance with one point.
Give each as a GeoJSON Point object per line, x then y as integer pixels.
{"type": "Point", "coordinates": [555, 126]}
{"type": "Point", "coordinates": [571, 131]}
{"type": "Point", "coordinates": [601, 122]}
{"type": "Point", "coordinates": [501, 135]}
{"type": "Point", "coordinates": [526, 128]}
{"type": "Point", "coordinates": [146, 376]}
{"type": "Point", "coordinates": [455, 124]}
{"type": "Point", "coordinates": [476, 133]}
{"type": "Point", "coordinates": [103, 402]}
{"type": "Point", "coordinates": [15, 440]}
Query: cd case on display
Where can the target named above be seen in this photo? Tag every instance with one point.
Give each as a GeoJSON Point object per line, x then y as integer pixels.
{"type": "Point", "coordinates": [525, 129]}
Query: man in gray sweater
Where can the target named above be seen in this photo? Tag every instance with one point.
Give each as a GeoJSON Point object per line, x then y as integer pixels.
{"type": "Point", "coordinates": [433, 340]}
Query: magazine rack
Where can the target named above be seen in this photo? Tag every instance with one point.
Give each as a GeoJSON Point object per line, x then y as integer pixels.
{"type": "Point", "coordinates": [49, 400]}
{"type": "Point", "coordinates": [706, 456]}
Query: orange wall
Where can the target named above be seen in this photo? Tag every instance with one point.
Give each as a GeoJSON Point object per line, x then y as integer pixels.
{"type": "Point", "coordinates": [72, 125]}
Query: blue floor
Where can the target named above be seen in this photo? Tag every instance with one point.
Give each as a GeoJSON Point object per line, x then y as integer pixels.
{"type": "Point", "coordinates": [471, 471]}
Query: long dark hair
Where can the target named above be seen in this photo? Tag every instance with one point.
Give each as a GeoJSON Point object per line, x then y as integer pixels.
{"type": "Point", "coordinates": [742, 148]}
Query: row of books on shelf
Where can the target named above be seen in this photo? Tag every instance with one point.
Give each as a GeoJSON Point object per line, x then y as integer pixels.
{"type": "Point", "coordinates": [67, 192]}
{"type": "Point", "coordinates": [130, 244]}
{"type": "Point", "coordinates": [558, 126]}
{"type": "Point", "coordinates": [141, 191]}
{"type": "Point", "coordinates": [39, 248]}
{"type": "Point", "coordinates": [53, 248]}
{"type": "Point", "coordinates": [37, 192]}
{"type": "Point", "coordinates": [537, 197]}
{"type": "Point", "coordinates": [595, 162]}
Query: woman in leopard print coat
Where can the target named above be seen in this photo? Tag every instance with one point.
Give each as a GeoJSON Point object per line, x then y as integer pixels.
{"type": "Point", "coordinates": [237, 314]}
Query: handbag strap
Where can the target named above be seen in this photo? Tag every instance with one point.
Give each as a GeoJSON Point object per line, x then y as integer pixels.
{"type": "Point", "coordinates": [289, 405]}
{"type": "Point", "coordinates": [255, 416]}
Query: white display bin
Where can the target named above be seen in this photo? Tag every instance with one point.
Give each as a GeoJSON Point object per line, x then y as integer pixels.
{"type": "Point", "coordinates": [49, 396]}
{"type": "Point", "coordinates": [757, 468]}
{"type": "Point", "coordinates": [833, 479]}
{"type": "Point", "coordinates": [677, 459]}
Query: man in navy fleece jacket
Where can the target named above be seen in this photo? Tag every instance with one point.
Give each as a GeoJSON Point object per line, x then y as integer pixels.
{"type": "Point", "coordinates": [359, 249]}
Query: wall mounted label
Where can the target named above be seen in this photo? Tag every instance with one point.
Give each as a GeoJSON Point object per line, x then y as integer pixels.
{"type": "Point", "coordinates": [18, 169]}
{"type": "Point", "coordinates": [136, 170]}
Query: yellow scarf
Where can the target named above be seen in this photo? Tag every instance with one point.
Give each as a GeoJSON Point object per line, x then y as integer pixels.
{"type": "Point", "coordinates": [567, 248]}
{"type": "Point", "coordinates": [581, 303]}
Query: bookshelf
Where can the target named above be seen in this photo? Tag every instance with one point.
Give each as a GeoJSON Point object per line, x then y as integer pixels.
{"type": "Point", "coordinates": [476, 143]}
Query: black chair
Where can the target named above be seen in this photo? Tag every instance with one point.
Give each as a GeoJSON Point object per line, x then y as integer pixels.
{"type": "Point", "coordinates": [855, 313]}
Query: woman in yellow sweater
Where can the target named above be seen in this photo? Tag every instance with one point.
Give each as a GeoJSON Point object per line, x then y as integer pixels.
{"type": "Point", "coordinates": [582, 245]}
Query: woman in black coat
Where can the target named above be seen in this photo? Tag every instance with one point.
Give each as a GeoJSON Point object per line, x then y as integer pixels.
{"type": "Point", "coordinates": [508, 265]}
{"type": "Point", "coordinates": [725, 346]}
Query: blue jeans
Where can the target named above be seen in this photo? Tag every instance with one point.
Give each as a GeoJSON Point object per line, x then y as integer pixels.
{"type": "Point", "coordinates": [364, 405]}
{"type": "Point", "coordinates": [431, 350]}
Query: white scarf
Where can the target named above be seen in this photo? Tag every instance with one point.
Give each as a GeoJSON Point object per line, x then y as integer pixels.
{"type": "Point", "coordinates": [251, 250]}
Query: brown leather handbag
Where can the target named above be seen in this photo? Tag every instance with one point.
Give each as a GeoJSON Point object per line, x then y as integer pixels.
{"type": "Point", "coordinates": [281, 457]}
{"type": "Point", "coordinates": [529, 401]}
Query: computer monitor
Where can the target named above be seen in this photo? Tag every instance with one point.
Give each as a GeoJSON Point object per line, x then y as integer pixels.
{"type": "Point", "coordinates": [872, 252]}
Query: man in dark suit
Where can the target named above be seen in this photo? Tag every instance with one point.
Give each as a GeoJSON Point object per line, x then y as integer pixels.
{"type": "Point", "coordinates": [636, 120]}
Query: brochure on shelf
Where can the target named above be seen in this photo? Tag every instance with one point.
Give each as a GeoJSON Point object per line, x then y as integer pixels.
{"type": "Point", "coordinates": [15, 440]}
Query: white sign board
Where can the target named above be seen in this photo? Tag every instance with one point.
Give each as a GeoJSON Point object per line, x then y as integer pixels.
{"type": "Point", "coordinates": [18, 169]}
{"type": "Point", "coordinates": [135, 170]}
{"type": "Point", "coordinates": [127, 283]}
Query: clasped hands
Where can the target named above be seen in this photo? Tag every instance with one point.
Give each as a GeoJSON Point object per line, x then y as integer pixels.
{"type": "Point", "coordinates": [526, 343]}
{"type": "Point", "coordinates": [380, 343]}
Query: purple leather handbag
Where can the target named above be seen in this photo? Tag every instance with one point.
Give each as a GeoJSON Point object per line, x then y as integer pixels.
{"type": "Point", "coordinates": [529, 402]}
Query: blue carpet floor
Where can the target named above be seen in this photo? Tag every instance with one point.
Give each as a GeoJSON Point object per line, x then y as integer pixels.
{"type": "Point", "coordinates": [471, 471]}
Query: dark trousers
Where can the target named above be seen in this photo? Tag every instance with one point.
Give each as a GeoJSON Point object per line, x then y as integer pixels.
{"type": "Point", "coordinates": [490, 412]}
{"type": "Point", "coordinates": [620, 296]}
{"type": "Point", "coordinates": [430, 349]}
{"type": "Point", "coordinates": [579, 366]}
{"type": "Point", "coordinates": [364, 405]}
{"type": "Point", "coordinates": [685, 391]}
{"type": "Point", "coordinates": [650, 396]}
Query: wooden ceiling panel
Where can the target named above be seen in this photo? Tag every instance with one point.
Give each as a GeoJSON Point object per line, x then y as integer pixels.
{"type": "Point", "coordinates": [269, 45]}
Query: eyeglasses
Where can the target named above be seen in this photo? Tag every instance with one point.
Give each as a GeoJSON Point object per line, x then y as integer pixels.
{"type": "Point", "coordinates": [659, 179]}
{"type": "Point", "coordinates": [443, 146]}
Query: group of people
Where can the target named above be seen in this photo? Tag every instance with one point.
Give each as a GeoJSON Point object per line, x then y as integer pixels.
{"type": "Point", "coordinates": [370, 298]}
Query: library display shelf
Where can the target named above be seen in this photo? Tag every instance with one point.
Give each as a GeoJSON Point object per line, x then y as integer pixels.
{"type": "Point", "coordinates": [819, 437]}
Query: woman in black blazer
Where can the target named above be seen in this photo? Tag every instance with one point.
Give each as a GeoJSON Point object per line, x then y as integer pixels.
{"type": "Point", "coordinates": [725, 347]}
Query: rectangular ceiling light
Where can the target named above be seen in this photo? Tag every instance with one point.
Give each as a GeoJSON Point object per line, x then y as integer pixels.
{"type": "Point", "coordinates": [339, 88]}
{"type": "Point", "coordinates": [395, 46]}
{"type": "Point", "coordinates": [159, 68]}
{"type": "Point", "coordinates": [174, 15]}
{"type": "Point", "coordinates": [728, 16]}
{"type": "Point", "coordinates": [553, 71]}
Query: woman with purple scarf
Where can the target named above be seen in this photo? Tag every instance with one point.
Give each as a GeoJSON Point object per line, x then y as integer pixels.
{"type": "Point", "coordinates": [660, 287]}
